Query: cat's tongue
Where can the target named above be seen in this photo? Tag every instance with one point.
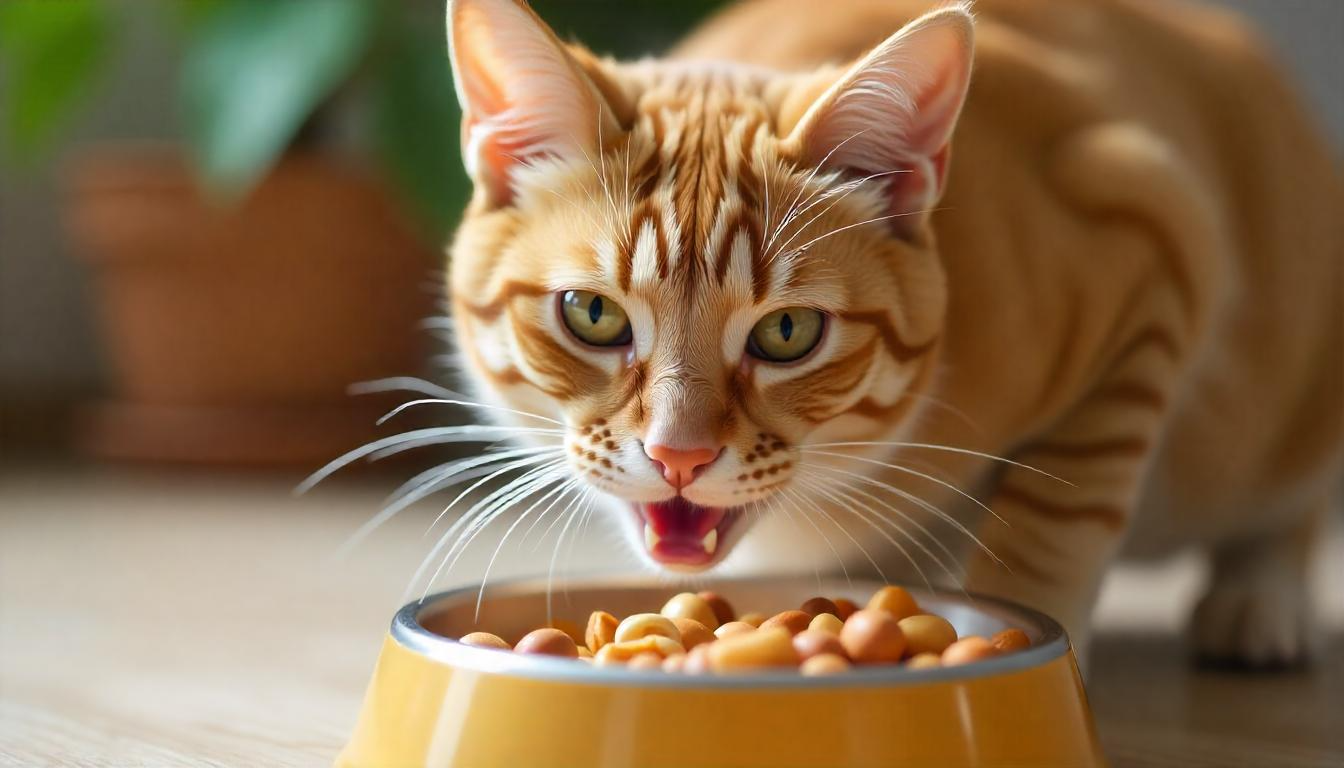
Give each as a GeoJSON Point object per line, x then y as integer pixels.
{"type": "Point", "coordinates": [679, 532]}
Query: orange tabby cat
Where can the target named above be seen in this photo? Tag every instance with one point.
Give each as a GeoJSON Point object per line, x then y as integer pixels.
{"type": "Point", "coordinates": [811, 276]}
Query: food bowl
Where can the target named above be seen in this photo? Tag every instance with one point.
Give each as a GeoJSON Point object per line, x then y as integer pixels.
{"type": "Point", "coordinates": [436, 702]}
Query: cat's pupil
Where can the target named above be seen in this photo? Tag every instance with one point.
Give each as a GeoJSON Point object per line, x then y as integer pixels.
{"type": "Point", "coordinates": [786, 326]}
{"type": "Point", "coordinates": [595, 310]}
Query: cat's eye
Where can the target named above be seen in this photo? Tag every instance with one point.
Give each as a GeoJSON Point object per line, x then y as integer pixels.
{"type": "Point", "coordinates": [786, 334]}
{"type": "Point", "coordinates": [594, 319]}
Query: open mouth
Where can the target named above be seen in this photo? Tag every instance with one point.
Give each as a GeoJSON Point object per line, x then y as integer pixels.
{"type": "Point", "coordinates": [683, 535]}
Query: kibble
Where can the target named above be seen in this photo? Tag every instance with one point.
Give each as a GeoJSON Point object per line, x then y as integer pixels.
{"type": "Point", "coordinates": [700, 633]}
{"type": "Point", "coordinates": [873, 637]}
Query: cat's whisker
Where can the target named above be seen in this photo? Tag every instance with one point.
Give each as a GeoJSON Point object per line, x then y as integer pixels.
{"type": "Point", "coordinates": [491, 439]}
{"type": "Point", "coordinates": [909, 471]}
{"type": "Point", "coordinates": [936, 447]}
{"type": "Point", "coordinates": [802, 186]}
{"type": "Point", "coordinates": [519, 464]}
{"type": "Point", "coordinates": [401, 384]}
{"type": "Point", "coordinates": [775, 505]}
{"type": "Point", "coordinates": [820, 488]}
{"type": "Point", "coordinates": [558, 491]}
{"type": "Point", "coordinates": [805, 246]}
{"type": "Point", "coordinates": [839, 193]}
{"type": "Point", "coordinates": [569, 515]}
{"type": "Point", "coordinates": [469, 404]}
{"type": "Point", "coordinates": [797, 499]}
{"type": "Point", "coordinates": [820, 509]}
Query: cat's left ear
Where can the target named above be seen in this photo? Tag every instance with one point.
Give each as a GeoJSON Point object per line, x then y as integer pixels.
{"type": "Point", "coordinates": [523, 95]}
{"type": "Point", "coordinates": [894, 112]}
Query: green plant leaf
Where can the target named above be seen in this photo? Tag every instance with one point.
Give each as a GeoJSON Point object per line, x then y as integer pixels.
{"type": "Point", "coordinates": [254, 71]}
{"type": "Point", "coordinates": [52, 52]}
{"type": "Point", "coordinates": [416, 124]}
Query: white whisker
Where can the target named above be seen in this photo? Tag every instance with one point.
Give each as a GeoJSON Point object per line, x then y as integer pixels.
{"type": "Point", "coordinates": [936, 447]}
{"type": "Point", "coordinates": [916, 473]}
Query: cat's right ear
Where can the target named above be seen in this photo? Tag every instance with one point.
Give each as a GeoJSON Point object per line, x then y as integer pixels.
{"type": "Point", "coordinates": [523, 95]}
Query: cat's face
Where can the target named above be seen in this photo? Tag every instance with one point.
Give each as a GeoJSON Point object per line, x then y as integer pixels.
{"type": "Point", "coordinates": [698, 271]}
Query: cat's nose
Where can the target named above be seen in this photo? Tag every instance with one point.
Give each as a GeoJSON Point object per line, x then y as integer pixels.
{"type": "Point", "coordinates": [680, 465]}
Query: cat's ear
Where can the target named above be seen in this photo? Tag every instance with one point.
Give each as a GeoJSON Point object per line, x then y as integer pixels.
{"type": "Point", "coordinates": [523, 95]}
{"type": "Point", "coordinates": [893, 113]}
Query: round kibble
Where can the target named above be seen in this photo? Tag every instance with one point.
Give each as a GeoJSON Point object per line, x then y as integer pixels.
{"type": "Point", "coordinates": [548, 641]}
{"type": "Point", "coordinates": [697, 660]}
{"type": "Point", "coordinates": [968, 650]}
{"type": "Point", "coordinates": [895, 601]}
{"type": "Point", "coordinates": [926, 633]}
{"type": "Point", "coordinates": [645, 662]}
{"type": "Point", "coordinates": [733, 628]}
{"type": "Point", "coordinates": [485, 640]}
{"type": "Point", "coordinates": [601, 630]}
{"type": "Point", "coordinates": [825, 622]}
{"type": "Point", "coordinates": [872, 637]}
{"type": "Point", "coordinates": [754, 618]}
{"type": "Point", "coordinates": [1010, 640]}
{"type": "Point", "coordinates": [762, 649]}
{"type": "Point", "coordinates": [924, 661]}
{"type": "Point", "coordinates": [692, 632]}
{"type": "Point", "coordinates": [723, 611]}
{"type": "Point", "coordinates": [675, 663]}
{"type": "Point", "coordinates": [845, 608]}
{"type": "Point", "coordinates": [793, 621]}
{"type": "Point", "coordinates": [689, 605]}
{"type": "Point", "coordinates": [623, 652]}
{"type": "Point", "coordinates": [819, 605]}
{"type": "Point", "coordinates": [824, 664]}
{"type": "Point", "coordinates": [814, 642]}
{"type": "Point", "coordinates": [644, 624]}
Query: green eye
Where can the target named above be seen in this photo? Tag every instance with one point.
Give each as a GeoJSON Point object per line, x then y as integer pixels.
{"type": "Point", "coordinates": [786, 335]}
{"type": "Point", "coordinates": [595, 319]}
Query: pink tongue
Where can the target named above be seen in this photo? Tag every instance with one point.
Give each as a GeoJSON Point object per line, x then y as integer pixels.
{"type": "Point", "coordinates": [679, 520]}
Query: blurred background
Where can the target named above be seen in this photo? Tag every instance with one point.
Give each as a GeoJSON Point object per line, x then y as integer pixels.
{"type": "Point", "coordinates": [216, 216]}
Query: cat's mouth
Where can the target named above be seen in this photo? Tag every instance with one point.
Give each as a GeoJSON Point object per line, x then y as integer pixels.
{"type": "Point", "coordinates": [685, 536]}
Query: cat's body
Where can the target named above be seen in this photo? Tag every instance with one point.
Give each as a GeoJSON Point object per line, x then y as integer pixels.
{"type": "Point", "coordinates": [1133, 282]}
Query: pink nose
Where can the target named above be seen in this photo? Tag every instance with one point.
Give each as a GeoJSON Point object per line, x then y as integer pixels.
{"type": "Point", "coordinates": [680, 466]}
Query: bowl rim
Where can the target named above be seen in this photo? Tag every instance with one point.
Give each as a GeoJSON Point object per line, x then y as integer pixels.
{"type": "Point", "coordinates": [407, 631]}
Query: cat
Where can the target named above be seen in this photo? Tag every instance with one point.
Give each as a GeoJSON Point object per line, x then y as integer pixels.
{"type": "Point", "coordinates": [1001, 292]}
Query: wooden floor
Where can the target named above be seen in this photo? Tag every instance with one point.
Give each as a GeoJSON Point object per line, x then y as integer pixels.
{"type": "Point", "coordinates": [171, 620]}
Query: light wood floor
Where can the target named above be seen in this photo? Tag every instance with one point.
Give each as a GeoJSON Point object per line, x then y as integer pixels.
{"type": "Point", "coordinates": [198, 620]}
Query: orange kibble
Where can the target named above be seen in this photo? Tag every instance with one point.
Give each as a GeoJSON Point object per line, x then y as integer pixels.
{"type": "Point", "coordinates": [1009, 640]}
{"type": "Point", "coordinates": [601, 630]}
{"type": "Point", "coordinates": [819, 605]}
{"type": "Point", "coordinates": [926, 633]}
{"type": "Point", "coordinates": [548, 641]}
{"type": "Point", "coordinates": [762, 649]}
{"type": "Point", "coordinates": [895, 601]}
{"type": "Point", "coordinates": [872, 637]}
{"type": "Point", "coordinates": [924, 661]}
{"type": "Point", "coordinates": [689, 605]}
{"type": "Point", "coordinates": [793, 621]}
{"type": "Point", "coordinates": [485, 640]}
{"type": "Point", "coordinates": [968, 650]}
{"type": "Point", "coordinates": [826, 622]}
{"type": "Point", "coordinates": [754, 618]}
{"type": "Point", "coordinates": [733, 628]}
{"type": "Point", "coordinates": [723, 611]}
{"type": "Point", "coordinates": [845, 608]}
{"type": "Point", "coordinates": [824, 664]}
{"type": "Point", "coordinates": [693, 633]}
{"type": "Point", "coordinates": [645, 662]}
{"type": "Point", "coordinates": [814, 642]}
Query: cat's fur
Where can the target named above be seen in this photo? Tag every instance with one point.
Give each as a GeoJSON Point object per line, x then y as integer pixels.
{"type": "Point", "coordinates": [1130, 279]}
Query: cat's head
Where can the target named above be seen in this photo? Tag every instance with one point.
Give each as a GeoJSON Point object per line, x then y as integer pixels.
{"type": "Point", "coordinates": [697, 268]}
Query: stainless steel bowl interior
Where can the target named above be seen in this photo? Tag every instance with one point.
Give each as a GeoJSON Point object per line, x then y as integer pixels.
{"type": "Point", "coordinates": [512, 609]}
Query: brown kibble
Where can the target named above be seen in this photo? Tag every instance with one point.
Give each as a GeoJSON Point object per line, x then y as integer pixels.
{"type": "Point", "coordinates": [639, 625]}
{"type": "Point", "coordinates": [824, 664]}
{"type": "Point", "coordinates": [872, 637]}
{"type": "Point", "coordinates": [924, 661]}
{"type": "Point", "coordinates": [845, 608]}
{"type": "Point", "coordinates": [733, 628]}
{"type": "Point", "coordinates": [601, 630]}
{"type": "Point", "coordinates": [763, 649]}
{"type": "Point", "coordinates": [689, 605]}
{"type": "Point", "coordinates": [693, 633]}
{"type": "Point", "coordinates": [754, 618]}
{"type": "Point", "coordinates": [895, 601]}
{"type": "Point", "coordinates": [1009, 640]}
{"type": "Point", "coordinates": [645, 662]}
{"type": "Point", "coordinates": [814, 642]}
{"type": "Point", "coordinates": [723, 611]}
{"type": "Point", "coordinates": [485, 640]}
{"type": "Point", "coordinates": [793, 621]}
{"type": "Point", "coordinates": [968, 650]}
{"type": "Point", "coordinates": [622, 652]}
{"type": "Point", "coordinates": [548, 641]}
{"type": "Point", "coordinates": [826, 622]}
{"type": "Point", "coordinates": [926, 633]}
{"type": "Point", "coordinates": [819, 605]}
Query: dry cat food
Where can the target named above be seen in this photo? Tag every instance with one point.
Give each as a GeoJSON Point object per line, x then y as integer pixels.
{"type": "Point", "coordinates": [699, 633]}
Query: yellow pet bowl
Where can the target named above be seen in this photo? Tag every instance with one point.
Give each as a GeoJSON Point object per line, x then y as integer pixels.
{"type": "Point", "coordinates": [435, 702]}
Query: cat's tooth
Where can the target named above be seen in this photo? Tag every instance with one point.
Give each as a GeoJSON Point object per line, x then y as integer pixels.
{"type": "Point", "coordinates": [711, 541]}
{"type": "Point", "coordinates": [650, 538]}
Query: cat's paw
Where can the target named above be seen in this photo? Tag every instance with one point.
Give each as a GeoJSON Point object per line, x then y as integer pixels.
{"type": "Point", "coordinates": [1251, 624]}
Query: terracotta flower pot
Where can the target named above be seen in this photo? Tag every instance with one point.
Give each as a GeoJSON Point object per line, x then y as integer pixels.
{"type": "Point", "coordinates": [234, 332]}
